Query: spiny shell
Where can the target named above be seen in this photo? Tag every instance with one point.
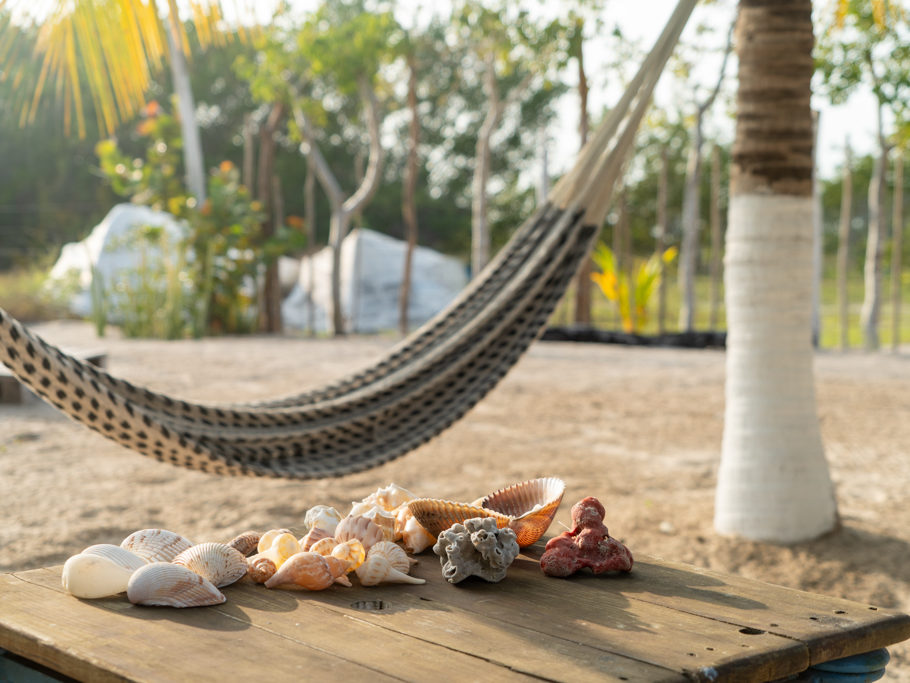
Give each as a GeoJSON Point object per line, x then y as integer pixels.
{"type": "Point", "coordinates": [392, 552]}
{"type": "Point", "coordinates": [393, 496]}
{"type": "Point", "coordinates": [245, 543]}
{"type": "Point", "coordinates": [94, 576]}
{"type": "Point", "coordinates": [377, 569]}
{"type": "Point", "coordinates": [323, 517]}
{"type": "Point", "coordinates": [219, 563]}
{"type": "Point", "coordinates": [260, 569]}
{"type": "Point", "coordinates": [117, 555]}
{"type": "Point", "coordinates": [351, 552]}
{"type": "Point", "coordinates": [437, 515]}
{"type": "Point", "coordinates": [414, 537]}
{"type": "Point", "coordinates": [531, 505]}
{"type": "Point", "coordinates": [266, 540]}
{"type": "Point", "coordinates": [312, 536]}
{"type": "Point", "coordinates": [382, 518]}
{"type": "Point", "coordinates": [155, 545]}
{"type": "Point", "coordinates": [171, 585]}
{"type": "Point", "coordinates": [362, 528]}
{"type": "Point", "coordinates": [311, 571]}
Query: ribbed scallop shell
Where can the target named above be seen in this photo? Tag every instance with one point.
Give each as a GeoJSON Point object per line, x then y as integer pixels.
{"type": "Point", "coordinates": [246, 542]}
{"type": "Point", "coordinates": [117, 555]}
{"type": "Point", "coordinates": [437, 515]}
{"type": "Point", "coordinates": [218, 562]}
{"type": "Point", "coordinates": [171, 585]}
{"type": "Point", "coordinates": [531, 505]}
{"type": "Point", "coordinates": [361, 528]}
{"type": "Point", "coordinates": [94, 576]}
{"type": "Point", "coordinates": [309, 570]}
{"type": "Point", "coordinates": [155, 545]}
{"type": "Point", "coordinates": [260, 569]}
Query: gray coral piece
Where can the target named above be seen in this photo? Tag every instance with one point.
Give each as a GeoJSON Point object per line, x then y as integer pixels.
{"type": "Point", "coordinates": [476, 548]}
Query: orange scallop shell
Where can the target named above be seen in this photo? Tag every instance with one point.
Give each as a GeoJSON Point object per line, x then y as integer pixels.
{"type": "Point", "coordinates": [527, 508]}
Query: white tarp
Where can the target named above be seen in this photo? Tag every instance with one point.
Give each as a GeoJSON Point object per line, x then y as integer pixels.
{"type": "Point", "coordinates": [372, 265]}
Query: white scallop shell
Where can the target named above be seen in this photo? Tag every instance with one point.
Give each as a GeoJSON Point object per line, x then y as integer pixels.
{"type": "Point", "coordinates": [219, 563]}
{"type": "Point", "coordinates": [171, 585]}
{"type": "Point", "coordinates": [117, 555]}
{"type": "Point", "coordinates": [155, 545]}
{"type": "Point", "coordinates": [323, 517]}
{"type": "Point", "coordinates": [94, 576]}
{"type": "Point", "coordinates": [377, 569]}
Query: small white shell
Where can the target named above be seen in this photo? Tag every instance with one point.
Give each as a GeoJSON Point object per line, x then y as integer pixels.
{"type": "Point", "coordinates": [377, 569]}
{"type": "Point", "coordinates": [155, 545]}
{"type": "Point", "coordinates": [323, 517]}
{"type": "Point", "coordinates": [117, 555]}
{"type": "Point", "coordinates": [94, 576]}
{"type": "Point", "coordinates": [414, 537]}
{"type": "Point", "coordinates": [219, 563]}
{"type": "Point", "coordinates": [171, 585]}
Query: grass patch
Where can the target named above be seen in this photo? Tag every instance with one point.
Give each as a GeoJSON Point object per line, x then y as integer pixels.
{"type": "Point", "coordinates": [25, 296]}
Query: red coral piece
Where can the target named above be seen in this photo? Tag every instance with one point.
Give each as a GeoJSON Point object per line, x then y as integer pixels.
{"type": "Point", "coordinates": [588, 544]}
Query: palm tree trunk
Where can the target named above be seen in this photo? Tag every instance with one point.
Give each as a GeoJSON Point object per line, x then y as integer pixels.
{"type": "Point", "coordinates": [480, 229]}
{"type": "Point", "coordinates": [773, 482]}
{"type": "Point", "coordinates": [843, 247]}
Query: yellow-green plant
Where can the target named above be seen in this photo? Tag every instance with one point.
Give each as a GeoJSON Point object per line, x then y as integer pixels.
{"type": "Point", "coordinates": [630, 298]}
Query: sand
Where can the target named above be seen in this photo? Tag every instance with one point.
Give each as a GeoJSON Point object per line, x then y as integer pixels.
{"type": "Point", "coordinates": [638, 428]}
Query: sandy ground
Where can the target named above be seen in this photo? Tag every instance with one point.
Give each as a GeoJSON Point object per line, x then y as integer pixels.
{"type": "Point", "coordinates": [638, 428]}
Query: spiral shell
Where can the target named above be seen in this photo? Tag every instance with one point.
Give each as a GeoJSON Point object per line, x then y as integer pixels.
{"type": "Point", "coordinates": [266, 540]}
{"type": "Point", "coordinates": [94, 576]}
{"type": "Point", "coordinates": [395, 554]}
{"type": "Point", "coordinates": [324, 546]}
{"type": "Point", "coordinates": [282, 547]}
{"type": "Point", "coordinates": [351, 552]}
{"type": "Point", "coordinates": [260, 569]}
{"type": "Point", "coordinates": [393, 496]}
{"type": "Point", "coordinates": [377, 569]}
{"type": "Point", "coordinates": [171, 585]}
{"type": "Point", "coordinates": [312, 536]}
{"type": "Point", "coordinates": [322, 517]}
{"type": "Point", "coordinates": [311, 571]}
{"type": "Point", "coordinates": [218, 562]}
{"type": "Point", "coordinates": [245, 543]}
{"type": "Point", "coordinates": [384, 519]}
{"type": "Point", "coordinates": [361, 528]}
{"type": "Point", "coordinates": [155, 545]}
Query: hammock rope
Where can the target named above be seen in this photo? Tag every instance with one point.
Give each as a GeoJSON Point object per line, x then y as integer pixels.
{"type": "Point", "coordinates": [421, 387]}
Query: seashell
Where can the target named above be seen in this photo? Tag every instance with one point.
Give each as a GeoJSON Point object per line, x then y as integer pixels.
{"type": "Point", "coordinates": [377, 569]}
{"type": "Point", "coordinates": [395, 554]}
{"type": "Point", "coordinates": [260, 569]}
{"type": "Point", "coordinates": [311, 571]}
{"type": "Point", "coordinates": [383, 518]}
{"type": "Point", "coordinates": [588, 544]}
{"type": "Point", "coordinates": [531, 505]}
{"type": "Point", "coordinates": [324, 546]}
{"type": "Point", "coordinates": [414, 537]}
{"type": "Point", "coordinates": [155, 545]}
{"type": "Point", "coordinates": [117, 555]}
{"type": "Point", "coordinates": [323, 517]}
{"type": "Point", "coordinates": [218, 562]}
{"type": "Point", "coordinates": [171, 585]}
{"type": "Point", "coordinates": [283, 546]}
{"type": "Point", "coordinates": [89, 575]}
{"type": "Point", "coordinates": [266, 540]}
{"type": "Point", "coordinates": [476, 548]}
{"type": "Point", "coordinates": [246, 542]}
{"type": "Point", "coordinates": [313, 535]}
{"type": "Point", "coordinates": [361, 528]}
{"type": "Point", "coordinates": [351, 552]}
{"type": "Point", "coordinates": [436, 515]}
{"type": "Point", "coordinates": [393, 496]}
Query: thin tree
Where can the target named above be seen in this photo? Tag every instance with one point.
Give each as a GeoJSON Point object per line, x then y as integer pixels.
{"type": "Point", "coordinates": [716, 244]}
{"type": "Point", "coordinates": [773, 482]}
{"type": "Point", "coordinates": [843, 246]}
{"type": "Point", "coordinates": [270, 311]}
{"type": "Point", "coordinates": [583, 279]}
{"type": "Point", "coordinates": [408, 190]}
{"type": "Point", "coordinates": [897, 246]}
{"type": "Point", "coordinates": [661, 239]}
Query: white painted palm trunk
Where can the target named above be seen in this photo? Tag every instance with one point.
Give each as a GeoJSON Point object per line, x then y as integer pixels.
{"type": "Point", "coordinates": [773, 482]}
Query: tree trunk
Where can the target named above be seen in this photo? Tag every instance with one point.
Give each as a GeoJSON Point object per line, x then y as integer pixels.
{"type": "Point", "coordinates": [716, 246]}
{"type": "Point", "coordinates": [773, 482]}
{"type": "Point", "coordinates": [817, 238]}
{"type": "Point", "coordinates": [309, 219]}
{"type": "Point", "coordinates": [843, 248]}
{"type": "Point", "coordinates": [691, 220]}
{"type": "Point", "coordinates": [875, 246]}
{"type": "Point", "coordinates": [897, 247]}
{"type": "Point", "coordinates": [270, 315]}
{"type": "Point", "coordinates": [408, 203]}
{"type": "Point", "coordinates": [583, 279]}
{"type": "Point", "coordinates": [480, 229]}
{"type": "Point", "coordinates": [248, 152]}
{"type": "Point", "coordinates": [663, 183]}
{"type": "Point", "coordinates": [186, 106]}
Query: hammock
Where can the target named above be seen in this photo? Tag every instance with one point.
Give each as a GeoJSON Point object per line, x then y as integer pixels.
{"type": "Point", "coordinates": [421, 387]}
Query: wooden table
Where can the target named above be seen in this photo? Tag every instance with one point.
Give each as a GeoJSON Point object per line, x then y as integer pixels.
{"type": "Point", "coordinates": [663, 622]}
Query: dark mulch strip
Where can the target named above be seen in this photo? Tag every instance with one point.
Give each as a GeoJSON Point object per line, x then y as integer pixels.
{"type": "Point", "coordinates": [680, 340]}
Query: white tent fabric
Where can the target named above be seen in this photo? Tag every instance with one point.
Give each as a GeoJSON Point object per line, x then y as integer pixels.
{"type": "Point", "coordinates": [372, 266]}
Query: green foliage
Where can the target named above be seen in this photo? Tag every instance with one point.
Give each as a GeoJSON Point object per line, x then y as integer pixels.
{"type": "Point", "coordinates": [25, 296]}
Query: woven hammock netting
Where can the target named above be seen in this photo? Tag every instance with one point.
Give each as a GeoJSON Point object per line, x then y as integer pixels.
{"type": "Point", "coordinates": [423, 385]}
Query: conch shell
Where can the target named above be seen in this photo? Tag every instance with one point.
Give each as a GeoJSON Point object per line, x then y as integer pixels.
{"type": "Point", "coordinates": [386, 563]}
{"type": "Point", "coordinates": [155, 545]}
{"type": "Point", "coordinates": [413, 536]}
{"type": "Point", "coordinates": [219, 563]}
{"type": "Point", "coordinates": [282, 546]}
{"type": "Point", "coordinates": [94, 576]}
{"type": "Point", "coordinates": [322, 517]}
{"type": "Point", "coordinates": [313, 535]}
{"type": "Point", "coordinates": [260, 569]}
{"type": "Point", "coordinates": [171, 585]}
{"type": "Point", "coordinates": [311, 571]}
{"type": "Point", "coordinates": [266, 539]}
{"type": "Point", "coordinates": [382, 518]}
{"type": "Point", "coordinates": [361, 528]}
{"type": "Point", "coordinates": [246, 542]}
{"type": "Point", "coordinates": [351, 551]}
